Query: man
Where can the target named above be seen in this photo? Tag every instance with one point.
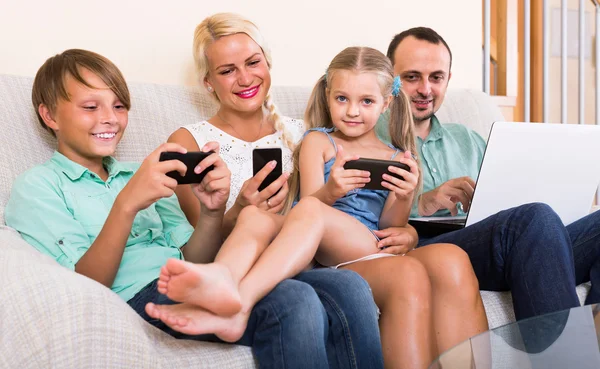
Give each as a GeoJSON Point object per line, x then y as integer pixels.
{"type": "Point", "coordinates": [526, 249]}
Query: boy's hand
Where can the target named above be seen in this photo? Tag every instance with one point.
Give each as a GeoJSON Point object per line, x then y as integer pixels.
{"type": "Point", "coordinates": [150, 183]}
{"type": "Point", "coordinates": [403, 189]}
{"type": "Point", "coordinates": [213, 191]}
{"type": "Point", "coordinates": [341, 181]}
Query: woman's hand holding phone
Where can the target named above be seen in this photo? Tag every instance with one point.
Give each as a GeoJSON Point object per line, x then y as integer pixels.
{"type": "Point", "coordinates": [269, 198]}
{"type": "Point", "coordinates": [341, 181]}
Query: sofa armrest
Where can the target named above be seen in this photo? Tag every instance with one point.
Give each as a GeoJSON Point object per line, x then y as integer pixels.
{"type": "Point", "coordinates": [53, 317]}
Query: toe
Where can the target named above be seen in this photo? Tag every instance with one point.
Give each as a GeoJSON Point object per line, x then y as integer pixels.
{"type": "Point", "coordinates": [175, 266]}
{"type": "Point", "coordinates": [151, 310]}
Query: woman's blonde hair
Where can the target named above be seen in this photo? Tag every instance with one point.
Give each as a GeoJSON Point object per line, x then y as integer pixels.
{"type": "Point", "coordinates": [225, 24]}
{"type": "Point", "coordinates": [361, 60]}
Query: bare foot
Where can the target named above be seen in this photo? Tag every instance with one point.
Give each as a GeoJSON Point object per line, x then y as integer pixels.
{"type": "Point", "coordinates": [192, 320]}
{"type": "Point", "coordinates": [209, 286]}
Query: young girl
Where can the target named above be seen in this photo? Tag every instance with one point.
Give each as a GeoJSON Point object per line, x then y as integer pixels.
{"type": "Point", "coordinates": [341, 116]}
{"type": "Point", "coordinates": [402, 295]}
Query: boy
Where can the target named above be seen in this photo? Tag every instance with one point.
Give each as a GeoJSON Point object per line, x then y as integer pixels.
{"type": "Point", "coordinates": [113, 222]}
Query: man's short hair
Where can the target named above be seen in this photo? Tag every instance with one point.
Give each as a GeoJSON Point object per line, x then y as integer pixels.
{"type": "Point", "coordinates": [420, 33]}
{"type": "Point", "coordinates": [49, 83]}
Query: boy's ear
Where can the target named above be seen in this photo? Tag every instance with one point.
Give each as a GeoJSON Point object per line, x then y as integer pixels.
{"type": "Point", "coordinates": [46, 115]}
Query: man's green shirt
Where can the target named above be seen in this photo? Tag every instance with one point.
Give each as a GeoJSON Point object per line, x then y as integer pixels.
{"type": "Point", "coordinates": [449, 151]}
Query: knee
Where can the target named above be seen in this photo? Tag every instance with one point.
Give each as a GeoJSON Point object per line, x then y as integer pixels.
{"type": "Point", "coordinates": [312, 209]}
{"type": "Point", "coordinates": [310, 205]}
{"type": "Point", "coordinates": [452, 271]}
{"type": "Point", "coordinates": [309, 202]}
{"type": "Point", "coordinates": [540, 222]}
{"type": "Point", "coordinates": [249, 212]}
{"type": "Point", "coordinates": [251, 215]}
{"type": "Point", "coordinates": [405, 278]}
{"type": "Point", "coordinates": [540, 213]}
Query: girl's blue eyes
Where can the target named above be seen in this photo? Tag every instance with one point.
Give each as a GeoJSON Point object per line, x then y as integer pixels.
{"type": "Point", "coordinates": [344, 99]}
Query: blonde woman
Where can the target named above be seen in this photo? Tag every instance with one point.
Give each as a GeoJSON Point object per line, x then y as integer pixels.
{"type": "Point", "coordinates": [235, 71]}
{"type": "Point", "coordinates": [235, 63]}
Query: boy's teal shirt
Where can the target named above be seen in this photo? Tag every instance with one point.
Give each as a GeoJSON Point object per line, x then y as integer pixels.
{"type": "Point", "coordinates": [59, 207]}
{"type": "Point", "coordinates": [449, 151]}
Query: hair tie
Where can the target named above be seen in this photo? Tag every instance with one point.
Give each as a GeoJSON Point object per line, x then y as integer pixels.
{"type": "Point", "coordinates": [396, 86]}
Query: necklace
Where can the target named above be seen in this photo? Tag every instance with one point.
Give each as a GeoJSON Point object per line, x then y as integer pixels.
{"type": "Point", "coordinates": [239, 135]}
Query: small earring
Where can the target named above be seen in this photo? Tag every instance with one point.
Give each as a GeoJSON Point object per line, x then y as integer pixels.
{"type": "Point", "coordinates": [210, 89]}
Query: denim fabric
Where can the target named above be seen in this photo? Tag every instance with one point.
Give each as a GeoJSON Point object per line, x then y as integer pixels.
{"type": "Point", "coordinates": [585, 241]}
{"type": "Point", "coordinates": [298, 326]}
{"type": "Point", "coordinates": [529, 251]}
{"type": "Point", "coordinates": [353, 340]}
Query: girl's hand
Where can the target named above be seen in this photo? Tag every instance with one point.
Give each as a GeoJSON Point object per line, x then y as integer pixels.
{"type": "Point", "coordinates": [213, 191]}
{"type": "Point", "coordinates": [403, 189]}
{"type": "Point", "coordinates": [268, 199]}
{"type": "Point", "coordinates": [397, 240]}
{"type": "Point", "coordinates": [341, 181]}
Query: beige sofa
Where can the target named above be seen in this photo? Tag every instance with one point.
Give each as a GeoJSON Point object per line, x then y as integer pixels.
{"type": "Point", "coordinates": [52, 317]}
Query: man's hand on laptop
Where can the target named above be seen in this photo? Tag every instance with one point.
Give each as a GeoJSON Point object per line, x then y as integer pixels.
{"type": "Point", "coordinates": [447, 196]}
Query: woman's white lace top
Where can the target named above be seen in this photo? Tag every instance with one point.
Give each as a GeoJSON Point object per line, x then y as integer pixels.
{"type": "Point", "coordinates": [237, 153]}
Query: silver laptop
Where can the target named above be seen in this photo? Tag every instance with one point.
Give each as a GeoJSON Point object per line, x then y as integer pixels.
{"type": "Point", "coordinates": [556, 164]}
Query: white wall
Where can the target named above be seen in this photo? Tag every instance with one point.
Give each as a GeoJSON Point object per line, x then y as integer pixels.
{"type": "Point", "coordinates": [150, 40]}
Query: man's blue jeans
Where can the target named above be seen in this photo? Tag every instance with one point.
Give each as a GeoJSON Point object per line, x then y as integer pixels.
{"type": "Point", "coordinates": [529, 251]}
{"type": "Point", "coordinates": [323, 318]}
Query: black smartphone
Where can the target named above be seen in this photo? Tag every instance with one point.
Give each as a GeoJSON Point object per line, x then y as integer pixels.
{"type": "Point", "coordinates": [377, 168]}
{"type": "Point", "coordinates": [191, 160]}
{"type": "Point", "coordinates": [260, 158]}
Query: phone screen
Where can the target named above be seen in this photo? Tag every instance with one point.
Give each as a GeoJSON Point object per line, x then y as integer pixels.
{"type": "Point", "coordinates": [260, 158]}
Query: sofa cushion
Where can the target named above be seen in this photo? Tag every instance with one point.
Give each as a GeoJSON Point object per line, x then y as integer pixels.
{"type": "Point", "coordinates": [53, 317]}
{"type": "Point", "coordinates": [472, 108]}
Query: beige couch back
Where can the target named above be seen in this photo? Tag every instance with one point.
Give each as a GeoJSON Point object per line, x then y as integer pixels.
{"type": "Point", "coordinates": [158, 110]}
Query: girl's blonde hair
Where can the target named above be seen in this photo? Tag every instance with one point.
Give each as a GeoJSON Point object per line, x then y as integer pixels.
{"type": "Point", "coordinates": [361, 60]}
{"type": "Point", "coordinates": [225, 24]}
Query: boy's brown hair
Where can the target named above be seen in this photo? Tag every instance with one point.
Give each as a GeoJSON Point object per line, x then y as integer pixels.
{"type": "Point", "coordinates": [49, 83]}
